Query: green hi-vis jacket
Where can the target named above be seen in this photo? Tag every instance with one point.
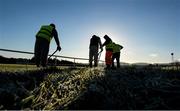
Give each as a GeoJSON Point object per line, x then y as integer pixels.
{"type": "Point", "coordinates": [45, 32]}
{"type": "Point", "coordinates": [116, 48]}
{"type": "Point", "coordinates": [109, 46]}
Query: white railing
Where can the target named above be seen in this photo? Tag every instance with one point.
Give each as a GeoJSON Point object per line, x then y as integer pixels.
{"type": "Point", "coordinates": [56, 56]}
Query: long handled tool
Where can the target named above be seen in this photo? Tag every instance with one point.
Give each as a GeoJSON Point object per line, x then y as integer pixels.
{"type": "Point", "coordinates": [99, 54]}
{"type": "Point", "coordinates": [52, 54]}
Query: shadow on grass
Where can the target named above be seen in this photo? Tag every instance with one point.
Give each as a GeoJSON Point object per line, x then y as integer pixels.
{"type": "Point", "coordinates": [131, 89]}
{"type": "Point", "coordinates": [125, 88]}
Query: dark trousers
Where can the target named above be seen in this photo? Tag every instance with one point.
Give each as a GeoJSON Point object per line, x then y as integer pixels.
{"type": "Point", "coordinates": [117, 57]}
{"type": "Point", "coordinates": [41, 51]}
{"type": "Point", "coordinates": [93, 55]}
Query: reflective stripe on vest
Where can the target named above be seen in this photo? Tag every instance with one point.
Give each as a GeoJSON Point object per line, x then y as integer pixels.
{"type": "Point", "coordinates": [109, 46]}
{"type": "Point", "coordinates": [45, 32]}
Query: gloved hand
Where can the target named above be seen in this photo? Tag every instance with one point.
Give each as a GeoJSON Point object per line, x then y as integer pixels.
{"type": "Point", "coordinates": [59, 48]}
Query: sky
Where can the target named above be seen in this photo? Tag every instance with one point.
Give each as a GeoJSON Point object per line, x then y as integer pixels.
{"type": "Point", "coordinates": [149, 30]}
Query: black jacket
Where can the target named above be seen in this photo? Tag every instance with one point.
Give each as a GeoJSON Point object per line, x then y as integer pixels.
{"type": "Point", "coordinates": [95, 41]}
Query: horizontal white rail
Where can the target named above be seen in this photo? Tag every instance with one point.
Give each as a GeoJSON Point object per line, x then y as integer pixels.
{"type": "Point", "coordinates": [25, 52]}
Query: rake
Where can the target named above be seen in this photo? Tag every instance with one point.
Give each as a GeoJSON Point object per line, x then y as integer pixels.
{"type": "Point", "coordinates": [52, 54]}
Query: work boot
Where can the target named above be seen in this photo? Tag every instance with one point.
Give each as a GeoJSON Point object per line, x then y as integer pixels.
{"type": "Point", "coordinates": [90, 65]}
{"type": "Point", "coordinates": [37, 65]}
{"type": "Point", "coordinates": [44, 65]}
{"type": "Point", "coordinates": [113, 68]}
{"type": "Point", "coordinates": [107, 67]}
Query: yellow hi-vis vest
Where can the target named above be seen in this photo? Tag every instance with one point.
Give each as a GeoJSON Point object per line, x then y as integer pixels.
{"type": "Point", "coordinates": [117, 48]}
{"type": "Point", "coordinates": [109, 46]}
{"type": "Point", "coordinates": [45, 32]}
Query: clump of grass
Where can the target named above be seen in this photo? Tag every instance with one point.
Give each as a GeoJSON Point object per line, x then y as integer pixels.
{"type": "Point", "coordinates": [58, 90]}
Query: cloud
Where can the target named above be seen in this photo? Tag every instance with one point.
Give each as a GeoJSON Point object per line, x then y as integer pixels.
{"type": "Point", "coordinates": [154, 55]}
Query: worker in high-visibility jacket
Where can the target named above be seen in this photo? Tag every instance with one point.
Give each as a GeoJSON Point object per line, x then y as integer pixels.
{"type": "Point", "coordinates": [43, 39]}
{"type": "Point", "coordinates": [109, 51]}
{"type": "Point", "coordinates": [116, 54]}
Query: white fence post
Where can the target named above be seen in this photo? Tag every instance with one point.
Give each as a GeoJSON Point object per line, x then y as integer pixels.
{"type": "Point", "coordinates": [74, 62]}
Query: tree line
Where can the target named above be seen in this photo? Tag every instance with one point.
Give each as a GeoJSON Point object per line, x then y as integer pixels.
{"type": "Point", "coordinates": [5, 60]}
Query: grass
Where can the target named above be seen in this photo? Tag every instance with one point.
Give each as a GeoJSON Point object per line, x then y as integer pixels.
{"type": "Point", "coordinates": [89, 88]}
{"type": "Point", "coordinates": [16, 67]}
{"type": "Point", "coordinates": [22, 67]}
